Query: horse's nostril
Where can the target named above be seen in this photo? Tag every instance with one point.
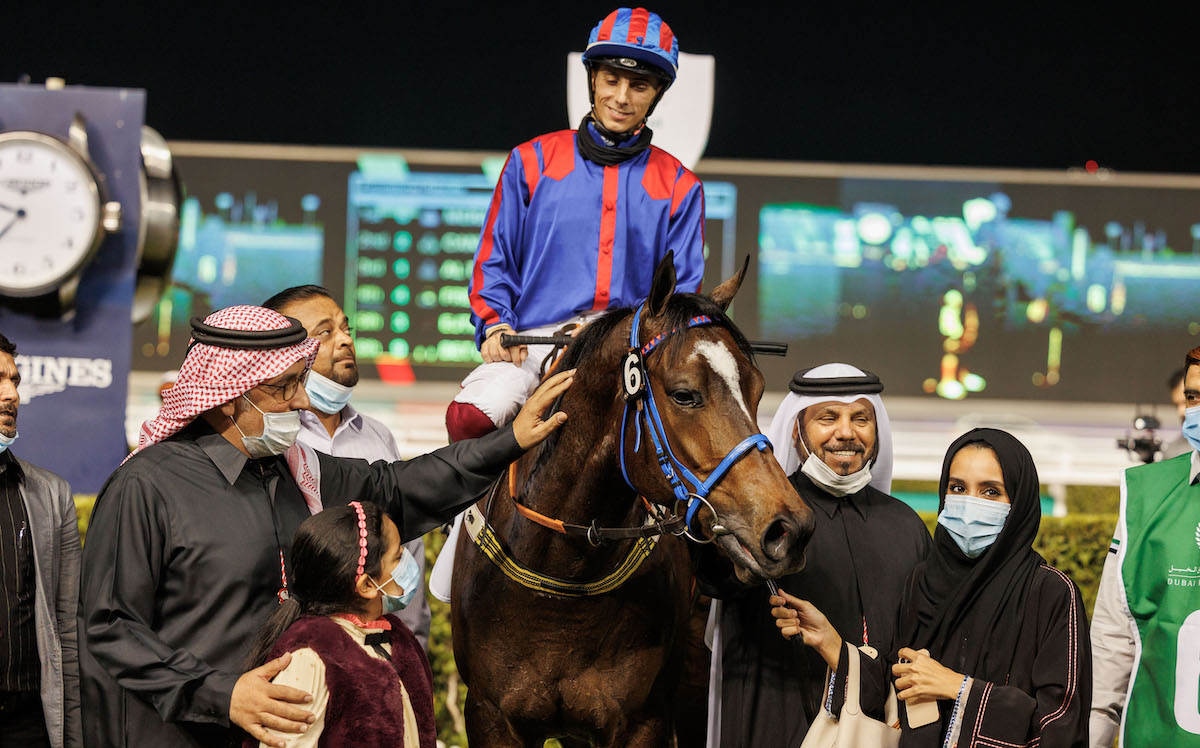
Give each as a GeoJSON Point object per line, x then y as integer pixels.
{"type": "Point", "coordinates": [779, 536]}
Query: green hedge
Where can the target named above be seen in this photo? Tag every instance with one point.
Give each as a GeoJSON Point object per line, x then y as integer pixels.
{"type": "Point", "coordinates": [1076, 544]}
{"type": "Point", "coordinates": [83, 512]}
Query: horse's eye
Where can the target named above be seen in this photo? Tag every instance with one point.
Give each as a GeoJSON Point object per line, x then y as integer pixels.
{"type": "Point", "coordinates": [686, 398]}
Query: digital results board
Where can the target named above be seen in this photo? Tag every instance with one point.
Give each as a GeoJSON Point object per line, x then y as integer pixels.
{"type": "Point", "coordinates": [949, 283]}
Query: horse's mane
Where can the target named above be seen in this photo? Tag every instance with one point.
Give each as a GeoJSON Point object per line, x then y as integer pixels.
{"type": "Point", "coordinates": [681, 308]}
{"type": "Point", "coordinates": [592, 338]}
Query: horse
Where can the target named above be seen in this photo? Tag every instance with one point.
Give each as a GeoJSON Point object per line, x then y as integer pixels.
{"type": "Point", "coordinates": [573, 579]}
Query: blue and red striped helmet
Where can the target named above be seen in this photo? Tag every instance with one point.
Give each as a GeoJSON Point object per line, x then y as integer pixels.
{"type": "Point", "coordinates": [638, 34]}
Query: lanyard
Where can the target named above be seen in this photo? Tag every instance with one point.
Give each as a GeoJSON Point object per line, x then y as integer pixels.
{"type": "Point", "coordinates": [282, 594]}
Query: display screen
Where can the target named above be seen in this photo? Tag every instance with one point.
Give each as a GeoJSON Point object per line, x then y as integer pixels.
{"type": "Point", "coordinates": [248, 229]}
{"type": "Point", "coordinates": [987, 288]}
{"type": "Point", "coordinates": [947, 289]}
{"type": "Point", "coordinates": [410, 241]}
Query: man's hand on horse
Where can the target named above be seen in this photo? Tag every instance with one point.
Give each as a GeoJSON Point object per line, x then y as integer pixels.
{"type": "Point", "coordinates": [492, 351]}
{"type": "Point", "coordinates": [528, 427]}
{"type": "Point", "coordinates": [257, 704]}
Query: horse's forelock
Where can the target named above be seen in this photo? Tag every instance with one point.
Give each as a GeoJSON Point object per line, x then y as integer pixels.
{"type": "Point", "coordinates": [684, 306]}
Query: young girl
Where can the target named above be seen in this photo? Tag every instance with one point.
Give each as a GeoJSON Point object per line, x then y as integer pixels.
{"type": "Point", "coordinates": [368, 676]}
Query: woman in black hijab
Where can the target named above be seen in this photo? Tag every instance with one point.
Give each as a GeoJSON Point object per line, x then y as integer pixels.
{"type": "Point", "coordinates": [995, 638]}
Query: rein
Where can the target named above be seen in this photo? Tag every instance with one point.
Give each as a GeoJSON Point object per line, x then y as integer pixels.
{"type": "Point", "coordinates": [595, 535]}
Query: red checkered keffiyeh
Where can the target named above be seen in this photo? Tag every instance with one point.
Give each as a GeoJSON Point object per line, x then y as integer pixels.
{"type": "Point", "coordinates": [211, 376]}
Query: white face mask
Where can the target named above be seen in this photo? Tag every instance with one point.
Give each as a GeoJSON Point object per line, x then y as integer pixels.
{"type": "Point", "coordinates": [973, 523]}
{"type": "Point", "coordinates": [828, 479]}
{"type": "Point", "coordinates": [326, 395]}
{"type": "Point", "coordinates": [279, 432]}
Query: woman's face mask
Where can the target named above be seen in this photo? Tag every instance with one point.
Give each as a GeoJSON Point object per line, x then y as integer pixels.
{"type": "Point", "coordinates": [977, 502]}
{"type": "Point", "coordinates": [407, 576]}
{"type": "Point", "coordinates": [972, 522]}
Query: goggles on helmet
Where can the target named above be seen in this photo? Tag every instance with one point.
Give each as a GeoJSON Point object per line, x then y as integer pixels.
{"type": "Point", "coordinates": [634, 39]}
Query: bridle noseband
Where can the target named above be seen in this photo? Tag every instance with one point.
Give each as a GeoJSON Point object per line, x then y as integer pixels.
{"type": "Point", "coordinates": [639, 398]}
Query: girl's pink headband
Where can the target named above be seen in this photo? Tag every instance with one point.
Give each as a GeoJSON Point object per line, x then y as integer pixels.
{"type": "Point", "coordinates": [362, 538]}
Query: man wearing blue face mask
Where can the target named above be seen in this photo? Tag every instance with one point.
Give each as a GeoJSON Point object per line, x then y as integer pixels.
{"type": "Point", "coordinates": [331, 424]}
{"type": "Point", "coordinates": [1146, 626]}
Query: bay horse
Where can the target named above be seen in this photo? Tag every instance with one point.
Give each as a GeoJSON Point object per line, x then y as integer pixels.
{"type": "Point", "coordinates": [563, 629]}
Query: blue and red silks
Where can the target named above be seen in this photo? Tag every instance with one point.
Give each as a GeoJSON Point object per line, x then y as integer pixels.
{"type": "Point", "coordinates": [565, 236]}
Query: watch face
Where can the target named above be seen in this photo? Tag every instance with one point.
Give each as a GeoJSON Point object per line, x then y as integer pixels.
{"type": "Point", "coordinates": [49, 213]}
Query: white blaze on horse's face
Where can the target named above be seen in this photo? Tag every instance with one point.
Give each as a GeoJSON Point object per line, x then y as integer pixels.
{"type": "Point", "coordinates": [725, 365]}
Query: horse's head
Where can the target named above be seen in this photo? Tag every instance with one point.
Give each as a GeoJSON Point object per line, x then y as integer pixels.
{"type": "Point", "coordinates": [705, 390]}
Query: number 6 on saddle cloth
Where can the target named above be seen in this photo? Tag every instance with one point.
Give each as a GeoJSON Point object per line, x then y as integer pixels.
{"type": "Point", "coordinates": [639, 398]}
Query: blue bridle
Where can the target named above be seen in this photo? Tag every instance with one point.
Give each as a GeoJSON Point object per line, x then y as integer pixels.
{"type": "Point", "coordinates": [637, 389]}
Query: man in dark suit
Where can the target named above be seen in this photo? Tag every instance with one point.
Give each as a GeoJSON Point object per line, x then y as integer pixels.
{"type": "Point", "coordinates": [39, 586]}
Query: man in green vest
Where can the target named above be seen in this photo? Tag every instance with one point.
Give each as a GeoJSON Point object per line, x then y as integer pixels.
{"type": "Point", "coordinates": [1146, 626]}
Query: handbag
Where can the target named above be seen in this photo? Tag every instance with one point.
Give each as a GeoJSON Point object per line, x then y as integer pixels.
{"type": "Point", "coordinates": [852, 728]}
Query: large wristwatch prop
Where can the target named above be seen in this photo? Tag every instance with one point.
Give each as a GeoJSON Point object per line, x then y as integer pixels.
{"type": "Point", "coordinates": [55, 214]}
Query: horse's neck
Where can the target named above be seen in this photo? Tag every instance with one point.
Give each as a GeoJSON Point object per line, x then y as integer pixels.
{"type": "Point", "coordinates": [579, 482]}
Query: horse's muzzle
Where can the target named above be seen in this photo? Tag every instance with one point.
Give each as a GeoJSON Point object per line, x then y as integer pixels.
{"type": "Point", "coordinates": [785, 538]}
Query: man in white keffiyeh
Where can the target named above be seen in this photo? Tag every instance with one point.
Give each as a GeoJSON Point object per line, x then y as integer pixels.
{"type": "Point", "coordinates": [832, 437]}
{"type": "Point", "coordinates": [190, 538]}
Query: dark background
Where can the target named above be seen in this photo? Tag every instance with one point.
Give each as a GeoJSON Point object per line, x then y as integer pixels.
{"type": "Point", "coordinates": [984, 85]}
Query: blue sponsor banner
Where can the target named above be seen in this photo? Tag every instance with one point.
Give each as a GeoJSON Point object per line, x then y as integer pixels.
{"type": "Point", "coordinates": [74, 374]}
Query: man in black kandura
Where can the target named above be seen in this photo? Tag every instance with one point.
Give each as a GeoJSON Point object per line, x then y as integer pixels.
{"type": "Point", "coordinates": [832, 437]}
{"type": "Point", "coordinates": [189, 541]}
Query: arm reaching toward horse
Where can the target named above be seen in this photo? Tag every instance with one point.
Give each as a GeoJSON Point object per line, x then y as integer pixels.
{"type": "Point", "coordinates": [795, 616]}
{"type": "Point", "coordinates": [422, 493]}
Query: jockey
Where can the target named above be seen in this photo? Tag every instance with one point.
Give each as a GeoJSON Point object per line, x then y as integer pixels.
{"type": "Point", "coordinates": [579, 220]}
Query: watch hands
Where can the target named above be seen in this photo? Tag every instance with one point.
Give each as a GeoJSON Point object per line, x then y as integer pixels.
{"type": "Point", "coordinates": [11, 222]}
{"type": "Point", "coordinates": [9, 208]}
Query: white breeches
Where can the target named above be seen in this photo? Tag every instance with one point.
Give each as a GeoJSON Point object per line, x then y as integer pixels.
{"type": "Point", "coordinates": [499, 390]}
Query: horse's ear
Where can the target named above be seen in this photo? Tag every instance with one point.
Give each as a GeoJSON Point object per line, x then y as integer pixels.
{"type": "Point", "coordinates": [724, 293]}
{"type": "Point", "coordinates": [663, 285]}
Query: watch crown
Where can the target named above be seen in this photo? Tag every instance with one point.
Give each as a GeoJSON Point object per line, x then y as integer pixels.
{"type": "Point", "coordinates": [111, 219]}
